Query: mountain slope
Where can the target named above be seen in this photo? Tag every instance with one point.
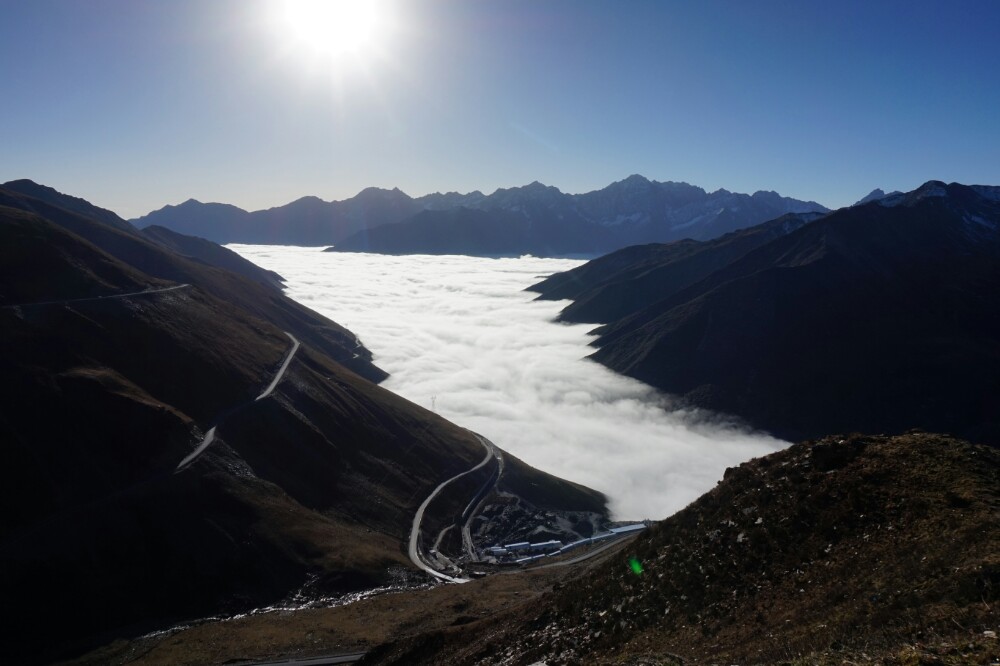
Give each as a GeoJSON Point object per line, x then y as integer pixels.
{"type": "Point", "coordinates": [104, 397]}
{"type": "Point", "coordinates": [851, 549]}
{"type": "Point", "coordinates": [623, 282]}
{"type": "Point", "coordinates": [114, 376]}
{"type": "Point", "coordinates": [873, 318]}
{"type": "Point", "coordinates": [212, 254]}
{"type": "Point", "coordinates": [33, 190]}
{"type": "Point", "coordinates": [155, 259]}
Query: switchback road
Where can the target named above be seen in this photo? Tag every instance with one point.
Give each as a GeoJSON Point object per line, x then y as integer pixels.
{"type": "Point", "coordinates": [477, 500]}
{"type": "Point", "coordinates": [281, 370]}
{"type": "Point", "coordinates": [414, 546]}
{"type": "Point", "coordinates": [210, 435]}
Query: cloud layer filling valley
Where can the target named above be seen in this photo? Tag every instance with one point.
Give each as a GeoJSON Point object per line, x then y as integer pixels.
{"type": "Point", "coordinates": [461, 331]}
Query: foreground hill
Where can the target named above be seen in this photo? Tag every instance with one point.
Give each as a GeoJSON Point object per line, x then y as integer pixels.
{"type": "Point", "coordinates": [121, 514]}
{"type": "Point", "coordinates": [847, 550]}
{"type": "Point", "coordinates": [534, 218]}
{"type": "Point", "coordinates": [874, 318]}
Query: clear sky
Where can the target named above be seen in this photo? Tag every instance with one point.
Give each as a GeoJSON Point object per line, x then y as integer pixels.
{"type": "Point", "coordinates": [134, 104]}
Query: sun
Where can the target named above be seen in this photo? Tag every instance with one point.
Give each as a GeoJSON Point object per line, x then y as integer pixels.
{"type": "Point", "coordinates": [330, 28]}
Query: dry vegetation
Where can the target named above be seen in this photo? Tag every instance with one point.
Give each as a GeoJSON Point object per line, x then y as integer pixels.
{"type": "Point", "coordinates": [357, 626]}
{"type": "Point", "coordinates": [849, 549]}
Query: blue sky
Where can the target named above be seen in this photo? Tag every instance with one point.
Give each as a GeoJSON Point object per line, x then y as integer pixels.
{"type": "Point", "coordinates": [134, 104]}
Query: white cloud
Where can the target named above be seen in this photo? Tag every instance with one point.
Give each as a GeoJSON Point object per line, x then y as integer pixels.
{"type": "Point", "coordinates": [462, 330]}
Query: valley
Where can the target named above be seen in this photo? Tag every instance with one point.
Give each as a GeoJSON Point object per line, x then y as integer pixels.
{"type": "Point", "coordinates": [461, 336]}
{"type": "Point", "coordinates": [198, 420]}
{"type": "Point", "coordinates": [558, 333]}
{"type": "Point", "coordinates": [183, 450]}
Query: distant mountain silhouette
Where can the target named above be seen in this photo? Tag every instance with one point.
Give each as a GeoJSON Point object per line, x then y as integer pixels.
{"type": "Point", "coordinates": [534, 218]}
{"type": "Point", "coordinates": [875, 318]}
{"type": "Point", "coordinates": [118, 356]}
{"type": "Point", "coordinates": [875, 195]}
{"type": "Point", "coordinates": [305, 221]}
{"type": "Point", "coordinates": [541, 220]}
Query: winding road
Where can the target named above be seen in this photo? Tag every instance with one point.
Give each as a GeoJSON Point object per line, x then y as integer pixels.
{"type": "Point", "coordinates": [479, 498]}
{"type": "Point", "coordinates": [311, 661]}
{"type": "Point", "coordinates": [414, 546]}
{"type": "Point", "coordinates": [210, 435]}
{"type": "Point", "coordinates": [281, 370]}
{"type": "Point", "coordinates": [67, 301]}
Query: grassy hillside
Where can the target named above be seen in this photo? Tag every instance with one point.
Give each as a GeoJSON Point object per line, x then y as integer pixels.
{"type": "Point", "coordinates": [849, 549]}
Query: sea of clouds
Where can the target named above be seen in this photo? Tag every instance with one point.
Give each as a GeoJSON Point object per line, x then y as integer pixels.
{"type": "Point", "coordinates": [461, 335]}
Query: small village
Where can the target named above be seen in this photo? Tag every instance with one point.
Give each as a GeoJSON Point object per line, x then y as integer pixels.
{"type": "Point", "coordinates": [524, 552]}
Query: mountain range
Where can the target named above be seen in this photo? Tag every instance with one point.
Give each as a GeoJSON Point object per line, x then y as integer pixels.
{"type": "Point", "coordinates": [535, 219]}
{"type": "Point", "coordinates": [182, 440]}
{"type": "Point", "coordinates": [874, 318]}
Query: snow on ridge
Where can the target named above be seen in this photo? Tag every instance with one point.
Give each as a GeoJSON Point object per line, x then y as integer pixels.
{"type": "Point", "coordinates": [892, 200]}
{"type": "Point", "coordinates": [698, 219]}
{"type": "Point", "coordinates": [981, 221]}
{"type": "Point", "coordinates": [932, 191]}
{"type": "Point", "coordinates": [622, 218]}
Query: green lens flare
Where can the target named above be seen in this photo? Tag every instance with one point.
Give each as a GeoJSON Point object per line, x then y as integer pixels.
{"type": "Point", "coordinates": [635, 565]}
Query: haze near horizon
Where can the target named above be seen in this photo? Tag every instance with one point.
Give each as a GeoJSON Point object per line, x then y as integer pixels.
{"type": "Point", "coordinates": [135, 105]}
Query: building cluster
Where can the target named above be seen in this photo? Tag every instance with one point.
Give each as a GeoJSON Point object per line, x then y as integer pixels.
{"type": "Point", "coordinates": [524, 552]}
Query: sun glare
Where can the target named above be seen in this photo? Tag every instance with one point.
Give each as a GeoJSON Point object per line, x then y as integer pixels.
{"type": "Point", "coordinates": [330, 28]}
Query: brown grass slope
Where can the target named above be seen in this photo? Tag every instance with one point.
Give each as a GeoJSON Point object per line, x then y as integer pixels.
{"type": "Point", "coordinates": [850, 548]}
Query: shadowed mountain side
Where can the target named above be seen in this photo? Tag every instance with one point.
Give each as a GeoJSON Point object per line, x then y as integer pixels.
{"type": "Point", "coordinates": [474, 232]}
{"type": "Point", "coordinates": [175, 549]}
{"type": "Point", "coordinates": [212, 254]}
{"type": "Point", "coordinates": [315, 485]}
{"type": "Point", "coordinates": [33, 191]}
{"type": "Point", "coordinates": [845, 550]}
{"type": "Point", "coordinates": [31, 246]}
{"type": "Point", "coordinates": [261, 300]}
{"type": "Point", "coordinates": [623, 282]}
{"type": "Point", "coordinates": [874, 318]}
